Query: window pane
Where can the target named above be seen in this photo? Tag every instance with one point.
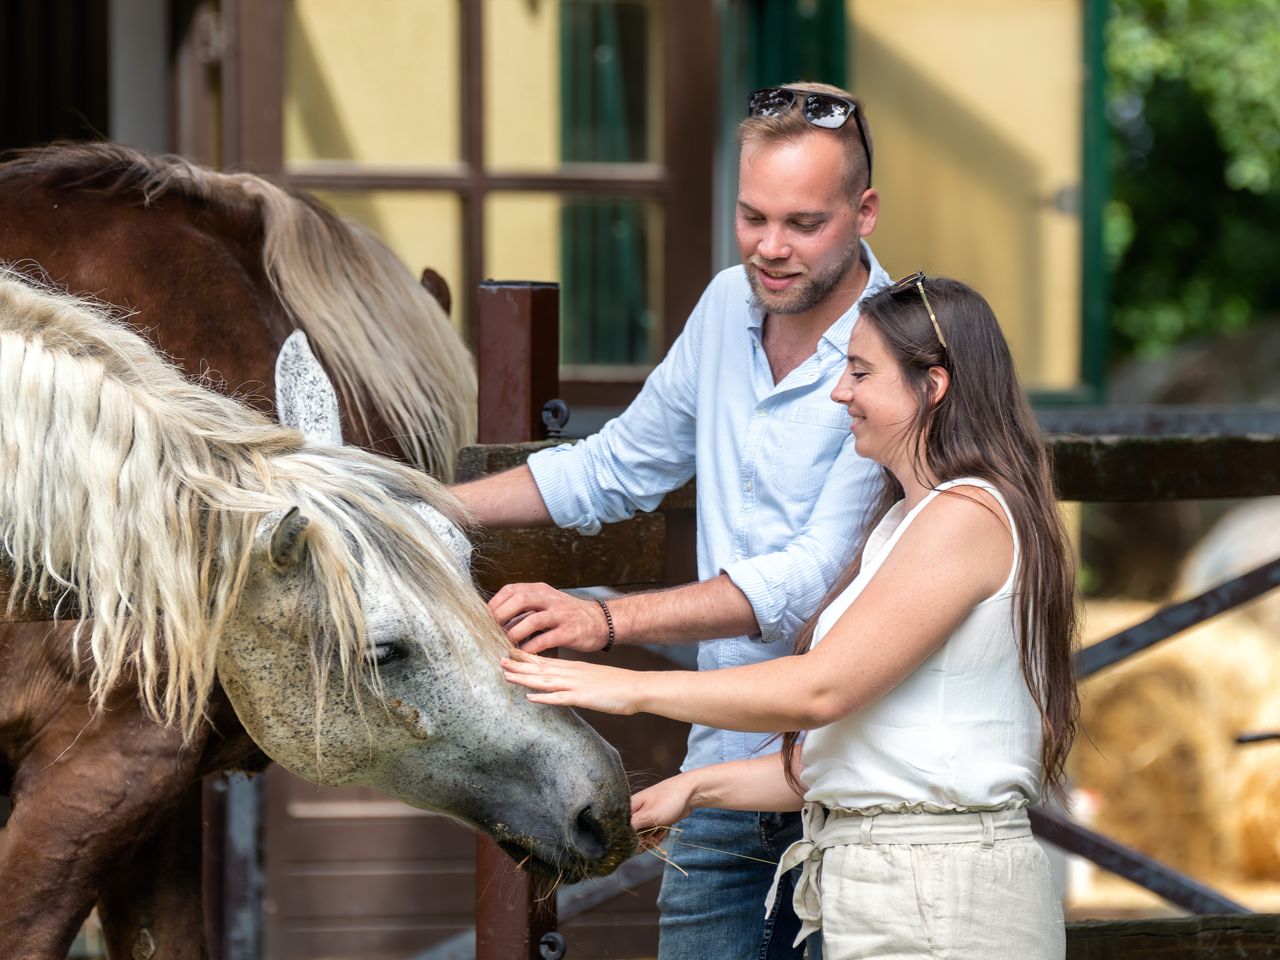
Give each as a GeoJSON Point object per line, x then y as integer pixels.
{"type": "Point", "coordinates": [571, 81]}
{"type": "Point", "coordinates": [604, 254]}
{"type": "Point", "coordinates": [374, 83]}
{"type": "Point", "coordinates": [423, 228]}
{"type": "Point", "coordinates": [976, 111]}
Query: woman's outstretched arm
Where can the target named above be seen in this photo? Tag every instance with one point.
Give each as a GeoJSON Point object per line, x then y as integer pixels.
{"type": "Point", "coordinates": [755, 784]}
{"type": "Point", "coordinates": [955, 554]}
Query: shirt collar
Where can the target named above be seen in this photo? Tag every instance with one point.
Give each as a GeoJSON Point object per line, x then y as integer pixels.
{"type": "Point", "coordinates": [837, 335]}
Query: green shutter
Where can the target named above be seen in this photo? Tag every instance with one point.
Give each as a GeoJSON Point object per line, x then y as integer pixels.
{"type": "Point", "coordinates": [605, 316]}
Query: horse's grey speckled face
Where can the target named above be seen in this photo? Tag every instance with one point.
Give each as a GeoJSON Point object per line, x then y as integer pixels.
{"type": "Point", "coordinates": [444, 733]}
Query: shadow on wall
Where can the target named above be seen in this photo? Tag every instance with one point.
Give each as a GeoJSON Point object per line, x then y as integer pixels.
{"type": "Point", "coordinates": [949, 177]}
{"type": "Point", "coordinates": [320, 116]}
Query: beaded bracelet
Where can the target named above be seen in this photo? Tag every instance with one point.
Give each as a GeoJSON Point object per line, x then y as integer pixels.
{"type": "Point", "coordinates": [608, 619]}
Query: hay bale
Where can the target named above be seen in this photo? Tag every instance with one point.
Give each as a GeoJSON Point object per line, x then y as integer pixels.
{"type": "Point", "coordinates": [1159, 751]}
{"type": "Point", "coordinates": [1257, 811]}
{"type": "Point", "coordinates": [1242, 540]}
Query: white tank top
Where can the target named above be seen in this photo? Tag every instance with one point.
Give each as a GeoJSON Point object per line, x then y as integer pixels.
{"type": "Point", "coordinates": [960, 733]}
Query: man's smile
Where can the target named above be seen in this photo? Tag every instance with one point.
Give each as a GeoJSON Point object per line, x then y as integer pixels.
{"type": "Point", "coordinates": [776, 280]}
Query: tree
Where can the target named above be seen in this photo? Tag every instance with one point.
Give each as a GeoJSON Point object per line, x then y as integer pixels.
{"type": "Point", "coordinates": [1191, 229]}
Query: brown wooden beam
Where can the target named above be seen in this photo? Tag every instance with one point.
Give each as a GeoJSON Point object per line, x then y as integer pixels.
{"type": "Point", "coordinates": [473, 195]}
{"type": "Point", "coordinates": [1097, 469]}
{"type": "Point", "coordinates": [1176, 938]}
{"type": "Point", "coordinates": [513, 910]}
{"type": "Point", "coordinates": [253, 84]}
{"type": "Point", "coordinates": [517, 344]}
{"type": "Point", "coordinates": [611, 179]}
{"type": "Point", "coordinates": [630, 555]}
{"type": "Point", "coordinates": [1118, 469]}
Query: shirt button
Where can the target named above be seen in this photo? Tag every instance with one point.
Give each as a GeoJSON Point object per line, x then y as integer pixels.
{"type": "Point", "coordinates": [747, 486]}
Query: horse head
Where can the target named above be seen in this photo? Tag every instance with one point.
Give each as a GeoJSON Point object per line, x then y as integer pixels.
{"type": "Point", "coordinates": [321, 585]}
{"type": "Point", "coordinates": [424, 715]}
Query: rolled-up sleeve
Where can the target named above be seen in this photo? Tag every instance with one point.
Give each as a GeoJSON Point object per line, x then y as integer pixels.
{"type": "Point", "coordinates": [784, 587]}
{"type": "Point", "coordinates": [637, 457]}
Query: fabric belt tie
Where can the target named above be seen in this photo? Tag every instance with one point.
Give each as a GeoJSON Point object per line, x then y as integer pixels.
{"type": "Point", "coordinates": [807, 854]}
{"type": "Point", "coordinates": [824, 829]}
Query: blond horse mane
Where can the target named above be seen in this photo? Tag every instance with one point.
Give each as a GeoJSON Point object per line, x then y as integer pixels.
{"type": "Point", "coordinates": [138, 493]}
{"type": "Point", "coordinates": [386, 342]}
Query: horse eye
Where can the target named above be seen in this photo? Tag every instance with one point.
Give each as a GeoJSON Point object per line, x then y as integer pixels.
{"type": "Point", "coordinates": [385, 653]}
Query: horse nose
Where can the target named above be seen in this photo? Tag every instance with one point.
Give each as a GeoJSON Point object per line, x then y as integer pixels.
{"type": "Point", "coordinates": [588, 834]}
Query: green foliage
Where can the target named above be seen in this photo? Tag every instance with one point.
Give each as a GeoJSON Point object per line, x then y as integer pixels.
{"type": "Point", "coordinates": [1191, 230]}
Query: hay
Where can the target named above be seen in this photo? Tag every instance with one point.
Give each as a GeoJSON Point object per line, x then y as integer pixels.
{"type": "Point", "coordinates": [1159, 751]}
{"type": "Point", "coordinates": [1257, 814]}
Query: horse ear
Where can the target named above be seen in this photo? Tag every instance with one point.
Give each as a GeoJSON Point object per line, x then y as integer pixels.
{"type": "Point", "coordinates": [289, 541]}
{"type": "Point", "coordinates": [438, 287]}
{"type": "Point", "coordinates": [305, 398]}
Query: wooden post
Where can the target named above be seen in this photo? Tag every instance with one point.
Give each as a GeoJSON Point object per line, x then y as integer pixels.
{"type": "Point", "coordinates": [513, 909]}
{"type": "Point", "coordinates": [213, 845]}
{"type": "Point", "coordinates": [518, 358]}
{"type": "Point", "coordinates": [517, 341]}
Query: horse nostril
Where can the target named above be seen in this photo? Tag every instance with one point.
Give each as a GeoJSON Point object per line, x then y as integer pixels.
{"type": "Point", "coordinates": [589, 835]}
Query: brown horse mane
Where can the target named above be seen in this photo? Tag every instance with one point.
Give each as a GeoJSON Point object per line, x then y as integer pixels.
{"type": "Point", "coordinates": [387, 343]}
{"type": "Point", "coordinates": [112, 168]}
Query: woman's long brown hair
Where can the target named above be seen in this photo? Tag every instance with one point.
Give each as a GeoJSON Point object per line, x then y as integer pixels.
{"type": "Point", "coordinates": [983, 427]}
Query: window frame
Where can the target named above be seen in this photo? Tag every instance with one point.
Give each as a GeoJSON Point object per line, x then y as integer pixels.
{"type": "Point", "coordinates": [680, 183]}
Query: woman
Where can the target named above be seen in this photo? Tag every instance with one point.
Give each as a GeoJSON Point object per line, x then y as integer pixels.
{"type": "Point", "coordinates": [935, 684]}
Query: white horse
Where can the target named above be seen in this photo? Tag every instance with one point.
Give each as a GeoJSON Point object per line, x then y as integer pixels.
{"type": "Point", "coordinates": [209, 550]}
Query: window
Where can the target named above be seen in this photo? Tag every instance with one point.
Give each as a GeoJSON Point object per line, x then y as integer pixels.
{"type": "Point", "coordinates": [559, 140]}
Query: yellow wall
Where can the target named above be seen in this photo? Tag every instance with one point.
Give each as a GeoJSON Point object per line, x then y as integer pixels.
{"type": "Point", "coordinates": [424, 228]}
{"type": "Point", "coordinates": [522, 84]}
{"type": "Point", "coordinates": [975, 108]}
{"type": "Point", "coordinates": [522, 236]}
{"type": "Point", "coordinates": [976, 113]}
{"type": "Point", "coordinates": [375, 82]}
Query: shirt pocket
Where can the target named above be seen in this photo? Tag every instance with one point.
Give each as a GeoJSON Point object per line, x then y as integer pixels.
{"type": "Point", "coordinates": [805, 444]}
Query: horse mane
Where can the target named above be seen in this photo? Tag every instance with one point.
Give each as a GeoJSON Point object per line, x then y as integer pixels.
{"type": "Point", "coordinates": [138, 493]}
{"type": "Point", "coordinates": [386, 341]}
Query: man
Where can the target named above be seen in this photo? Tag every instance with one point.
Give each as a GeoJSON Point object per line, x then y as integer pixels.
{"type": "Point", "coordinates": [742, 399]}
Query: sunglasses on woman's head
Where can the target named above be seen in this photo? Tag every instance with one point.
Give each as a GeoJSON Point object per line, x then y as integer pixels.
{"type": "Point", "coordinates": [823, 110]}
{"type": "Point", "coordinates": [916, 280]}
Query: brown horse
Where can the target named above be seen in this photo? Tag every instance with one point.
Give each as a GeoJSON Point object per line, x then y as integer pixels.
{"type": "Point", "coordinates": [218, 270]}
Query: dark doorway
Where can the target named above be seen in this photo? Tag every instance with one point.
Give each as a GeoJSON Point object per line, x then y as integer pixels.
{"type": "Point", "coordinates": [53, 71]}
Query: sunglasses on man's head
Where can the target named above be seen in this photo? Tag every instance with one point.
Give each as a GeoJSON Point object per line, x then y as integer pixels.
{"type": "Point", "coordinates": [823, 110]}
{"type": "Point", "coordinates": [916, 282]}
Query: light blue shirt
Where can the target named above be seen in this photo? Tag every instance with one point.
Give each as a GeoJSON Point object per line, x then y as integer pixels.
{"type": "Point", "coordinates": [782, 495]}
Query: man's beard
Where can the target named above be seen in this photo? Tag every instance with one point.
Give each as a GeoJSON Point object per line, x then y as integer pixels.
{"type": "Point", "coordinates": [806, 292]}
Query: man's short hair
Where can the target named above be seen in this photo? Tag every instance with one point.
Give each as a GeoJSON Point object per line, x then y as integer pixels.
{"type": "Point", "coordinates": [791, 125]}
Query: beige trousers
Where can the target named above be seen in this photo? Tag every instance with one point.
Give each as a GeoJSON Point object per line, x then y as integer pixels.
{"type": "Point", "coordinates": [956, 886]}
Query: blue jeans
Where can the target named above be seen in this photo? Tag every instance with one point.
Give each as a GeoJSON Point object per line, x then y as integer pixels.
{"type": "Point", "coordinates": [717, 911]}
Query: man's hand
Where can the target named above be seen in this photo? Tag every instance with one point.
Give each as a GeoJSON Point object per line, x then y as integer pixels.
{"type": "Point", "coordinates": [538, 617]}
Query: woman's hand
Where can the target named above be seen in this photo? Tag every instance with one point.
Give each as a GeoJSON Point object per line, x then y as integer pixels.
{"type": "Point", "coordinates": [573, 683]}
{"type": "Point", "coordinates": [538, 617]}
{"type": "Point", "coordinates": [655, 809]}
